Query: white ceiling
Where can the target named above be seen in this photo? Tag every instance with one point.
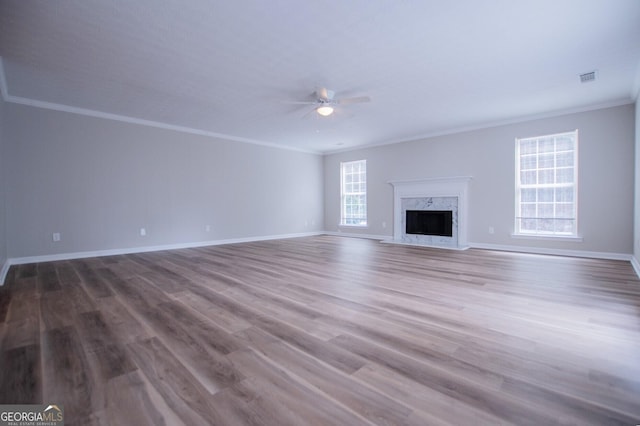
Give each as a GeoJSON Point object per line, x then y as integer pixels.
{"type": "Point", "coordinates": [229, 67]}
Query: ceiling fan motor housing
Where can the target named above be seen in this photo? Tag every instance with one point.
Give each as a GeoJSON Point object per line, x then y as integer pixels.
{"type": "Point", "coordinates": [325, 95]}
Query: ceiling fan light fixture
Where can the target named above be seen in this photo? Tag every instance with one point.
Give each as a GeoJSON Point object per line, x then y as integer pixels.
{"type": "Point", "coordinates": [325, 110]}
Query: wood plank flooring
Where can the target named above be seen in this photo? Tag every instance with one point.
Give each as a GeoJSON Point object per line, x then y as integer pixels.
{"type": "Point", "coordinates": [324, 330]}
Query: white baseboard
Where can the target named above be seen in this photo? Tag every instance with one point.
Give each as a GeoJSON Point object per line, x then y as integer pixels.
{"type": "Point", "coordinates": [4, 271]}
{"type": "Point", "coordinates": [114, 252]}
{"type": "Point", "coordinates": [402, 243]}
{"type": "Point", "coordinates": [499, 247]}
{"type": "Point", "coordinates": [555, 252]}
{"type": "Point", "coordinates": [636, 265]}
{"type": "Point", "coordinates": [356, 235]}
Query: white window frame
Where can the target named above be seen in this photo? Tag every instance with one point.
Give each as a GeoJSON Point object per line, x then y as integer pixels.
{"type": "Point", "coordinates": [523, 221]}
{"type": "Point", "coordinates": [348, 178]}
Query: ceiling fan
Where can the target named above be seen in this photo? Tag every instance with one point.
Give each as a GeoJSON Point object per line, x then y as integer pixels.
{"type": "Point", "coordinates": [325, 101]}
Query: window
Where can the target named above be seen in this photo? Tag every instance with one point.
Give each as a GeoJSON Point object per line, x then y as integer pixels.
{"type": "Point", "coordinates": [353, 192]}
{"type": "Point", "coordinates": [547, 185]}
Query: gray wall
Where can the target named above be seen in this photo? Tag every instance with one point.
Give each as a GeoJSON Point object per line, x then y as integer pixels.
{"type": "Point", "coordinates": [3, 186]}
{"type": "Point", "coordinates": [98, 181]}
{"type": "Point", "coordinates": [606, 176]}
{"type": "Point", "coordinates": [636, 215]}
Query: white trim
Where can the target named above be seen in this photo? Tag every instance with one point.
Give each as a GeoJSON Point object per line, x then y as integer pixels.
{"type": "Point", "coordinates": [432, 180]}
{"type": "Point", "coordinates": [5, 271]}
{"type": "Point", "coordinates": [550, 237]}
{"type": "Point", "coordinates": [491, 124]}
{"type": "Point", "coordinates": [450, 131]}
{"type": "Point", "coordinates": [126, 119]}
{"type": "Point", "coordinates": [343, 194]}
{"type": "Point", "coordinates": [3, 82]}
{"type": "Point", "coordinates": [519, 186]}
{"type": "Point", "coordinates": [149, 123]}
{"type": "Point", "coordinates": [635, 88]}
{"type": "Point", "coordinates": [145, 249]}
{"type": "Point", "coordinates": [401, 243]}
{"type": "Point", "coordinates": [447, 186]}
{"type": "Point", "coordinates": [352, 235]}
{"type": "Point", "coordinates": [636, 265]}
{"type": "Point", "coordinates": [383, 238]}
{"type": "Point", "coordinates": [555, 252]}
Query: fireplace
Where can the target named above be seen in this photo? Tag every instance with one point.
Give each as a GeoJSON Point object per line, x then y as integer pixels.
{"type": "Point", "coordinates": [431, 212]}
{"type": "Point", "coordinates": [429, 222]}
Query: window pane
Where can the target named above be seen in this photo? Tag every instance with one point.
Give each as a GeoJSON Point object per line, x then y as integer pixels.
{"type": "Point", "coordinates": [528, 195]}
{"type": "Point", "coordinates": [565, 226]}
{"type": "Point", "coordinates": [564, 159]}
{"type": "Point", "coordinates": [546, 225]}
{"type": "Point", "coordinates": [528, 147]}
{"type": "Point", "coordinates": [528, 225]}
{"type": "Point", "coordinates": [565, 175]}
{"type": "Point", "coordinates": [564, 210]}
{"type": "Point", "coordinates": [546, 176]}
{"type": "Point", "coordinates": [528, 178]}
{"type": "Point", "coordinates": [565, 143]}
{"type": "Point", "coordinates": [545, 194]}
{"type": "Point", "coordinates": [529, 162]}
{"type": "Point", "coordinates": [546, 161]}
{"type": "Point", "coordinates": [528, 210]}
{"type": "Point", "coordinates": [564, 194]}
{"type": "Point", "coordinates": [545, 210]}
{"type": "Point", "coordinates": [546, 145]}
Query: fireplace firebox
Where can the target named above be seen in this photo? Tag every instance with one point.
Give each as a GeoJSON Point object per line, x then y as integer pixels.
{"type": "Point", "coordinates": [429, 222]}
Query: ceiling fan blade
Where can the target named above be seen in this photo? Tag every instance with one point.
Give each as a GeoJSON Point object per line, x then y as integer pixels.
{"type": "Point", "coordinates": [325, 94]}
{"type": "Point", "coordinates": [356, 100]}
{"type": "Point", "coordinates": [309, 113]}
{"type": "Point", "coordinates": [301, 102]}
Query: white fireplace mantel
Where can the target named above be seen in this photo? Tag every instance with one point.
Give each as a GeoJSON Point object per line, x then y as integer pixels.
{"type": "Point", "coordinates": [456, 186]}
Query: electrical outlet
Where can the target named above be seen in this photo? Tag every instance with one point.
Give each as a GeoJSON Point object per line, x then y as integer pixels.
{"type": "Point", "coordinates": [491, 230]}
{"type": "Point", "coordinates": [56, 237]}
{"type": "Point", "coordinates": [207, 228]}
{"type": "Point", "coordinates": [143, 232]}
{"type": "Point", "coordinates": [384, 225]}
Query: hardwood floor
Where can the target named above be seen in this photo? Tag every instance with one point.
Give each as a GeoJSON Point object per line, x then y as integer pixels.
{"type": "Point", "coordinates": [324, 330]}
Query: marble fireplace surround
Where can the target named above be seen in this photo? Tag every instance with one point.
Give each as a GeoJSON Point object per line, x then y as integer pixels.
{"type": "Point", "coordinates": [441, 193]}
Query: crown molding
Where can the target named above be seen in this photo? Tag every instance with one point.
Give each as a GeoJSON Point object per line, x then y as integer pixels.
{"type": "Point", "coordinates": [491, 124]}
{"type": "Point", "coordinates": [132, 120]}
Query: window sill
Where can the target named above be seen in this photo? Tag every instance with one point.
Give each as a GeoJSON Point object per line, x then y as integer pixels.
{"type": "Point", "coordinates": [353, 226]}
{"type": "Point", "coordinates": [547, 237]}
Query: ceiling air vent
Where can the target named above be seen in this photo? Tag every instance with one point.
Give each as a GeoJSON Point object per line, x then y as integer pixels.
{"type": "Point", "coordinates": [587, 77]}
